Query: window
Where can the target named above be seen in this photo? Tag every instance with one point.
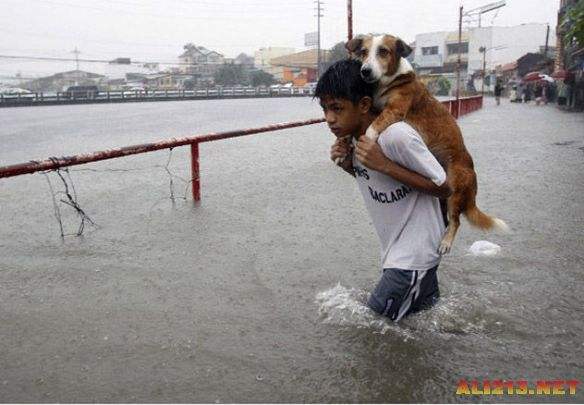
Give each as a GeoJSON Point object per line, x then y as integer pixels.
{"type": "Point", "coordinates": [453, 48]}
{"type": "Point", "coordinates": [430, 50]}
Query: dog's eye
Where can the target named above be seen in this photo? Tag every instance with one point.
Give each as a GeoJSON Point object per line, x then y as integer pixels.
{"type": "Point", "coordinates": [383, 52]}
{"type": "Point", "coordinates": [363, 52]}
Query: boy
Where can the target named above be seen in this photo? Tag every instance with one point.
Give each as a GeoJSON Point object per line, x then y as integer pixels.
{"type": "Point", "coordinates": [400, 181]}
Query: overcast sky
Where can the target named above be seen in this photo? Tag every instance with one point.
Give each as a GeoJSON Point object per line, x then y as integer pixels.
{"type": "Point", "coordinates": [156, 30]}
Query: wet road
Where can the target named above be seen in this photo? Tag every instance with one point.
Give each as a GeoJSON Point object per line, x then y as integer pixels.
{"type": "Point", "coordinates": [256, 293]}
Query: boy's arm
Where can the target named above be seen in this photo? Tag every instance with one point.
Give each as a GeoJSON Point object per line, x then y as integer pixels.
{"type": "Point", "coordinates": [371, 155]}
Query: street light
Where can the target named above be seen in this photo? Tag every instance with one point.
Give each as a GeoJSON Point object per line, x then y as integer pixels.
{"type": "Point", "coordinates": [484, 52]}
{"type": "Point", "coordinates": [485, 9]}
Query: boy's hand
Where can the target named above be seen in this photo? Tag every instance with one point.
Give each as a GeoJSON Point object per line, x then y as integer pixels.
{"type": "Point", "coordinates": [370, 154]}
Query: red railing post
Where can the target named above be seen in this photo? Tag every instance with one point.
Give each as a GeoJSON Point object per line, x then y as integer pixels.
{"type": "Point", "coordinates": [195, 173]}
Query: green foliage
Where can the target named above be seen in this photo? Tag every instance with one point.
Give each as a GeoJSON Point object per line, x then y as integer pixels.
{"type": "Point", "coordinates": [573, 25]}
{"type": "Point", "coordinates": [230, 75]}
{"type": "Point", "coordinates": [338, 52]}
{"type": "Point", "coordinates": [440, 86]}
{"type": "Point", "coordinates": [261, 78]}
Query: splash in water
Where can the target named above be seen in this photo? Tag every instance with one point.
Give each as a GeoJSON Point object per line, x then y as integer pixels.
{"type": "Point", "coordinates": [453, 315]}
{"type": "Point", "coordinates": [347, 307]}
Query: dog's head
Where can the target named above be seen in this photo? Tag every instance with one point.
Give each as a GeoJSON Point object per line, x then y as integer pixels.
{"type": "Point", "coordinates": [380, 55]}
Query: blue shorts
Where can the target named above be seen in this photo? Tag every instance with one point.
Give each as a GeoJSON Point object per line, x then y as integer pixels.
{"type": "Point", "coordinates": [402, 292]}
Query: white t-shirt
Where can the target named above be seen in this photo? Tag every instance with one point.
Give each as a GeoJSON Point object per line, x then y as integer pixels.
{"type": "Point", "coordinates": [409, 223]}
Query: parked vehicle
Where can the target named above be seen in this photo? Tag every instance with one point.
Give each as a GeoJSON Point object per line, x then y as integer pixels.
{"type": "Point", "coordinates": [82, 92]}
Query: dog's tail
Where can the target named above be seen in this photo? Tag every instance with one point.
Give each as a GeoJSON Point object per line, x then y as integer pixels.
{"type": "Point", "coordinates": [483, 221]}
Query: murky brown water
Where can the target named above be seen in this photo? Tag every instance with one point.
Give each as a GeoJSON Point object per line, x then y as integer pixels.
{"type": "Point", "coordinates": [256, 294]}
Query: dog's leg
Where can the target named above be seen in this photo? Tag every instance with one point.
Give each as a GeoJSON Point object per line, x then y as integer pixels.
{"type": "Point", "coordinates": [456, 205]}
{"type": "Point", "coordinates": [395, 110]}
{"type": "Point", "coordinates": [341, 159]}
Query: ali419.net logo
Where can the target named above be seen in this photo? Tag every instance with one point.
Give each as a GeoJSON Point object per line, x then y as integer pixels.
{"type": "Point", "coordinates": [517, 387]}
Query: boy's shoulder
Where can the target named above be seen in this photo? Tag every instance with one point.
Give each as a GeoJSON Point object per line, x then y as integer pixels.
{"type": "Point", "coordinates": [398, 135]}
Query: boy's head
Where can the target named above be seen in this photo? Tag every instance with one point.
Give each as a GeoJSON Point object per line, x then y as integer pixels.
{"type": "Point", "coordinates": [345, 97]}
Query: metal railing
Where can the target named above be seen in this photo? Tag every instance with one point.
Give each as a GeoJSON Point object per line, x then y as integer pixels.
{"type": "Point", "coordinates": [82, 97]}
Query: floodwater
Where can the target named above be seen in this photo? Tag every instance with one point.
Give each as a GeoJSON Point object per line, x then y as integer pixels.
{"type": "Point", "coordinates": [256, 294]}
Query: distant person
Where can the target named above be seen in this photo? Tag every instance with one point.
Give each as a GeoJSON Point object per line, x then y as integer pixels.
{"type": "Point", "coordinates": [545, 92]}
{"type": "Point", "coordinates": [498, 91]}
{"type": "Point", "coordinates": [538, 94]}
{"type": "Point", "coordinates": [527, 94]}
{"type": "Point", "coordinates": [513, 97]}
{"type": "Point", "coordinates": [471, 87]}
{"type": "Point", "coordinates": [400, 181]}
{"type": "Point", "coordinates": [520, 92]}
{"type": "Point", "coordinates": [562, 93]}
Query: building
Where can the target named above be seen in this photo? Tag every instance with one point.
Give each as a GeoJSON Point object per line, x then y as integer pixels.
{"type": "Point", "coordinates": [200, 62]}
{"type": "Point", "coordinates": [437, 52]}
{"type": "Point", "coordinates": [61, 81]}
{"type": "Point", "coordinates": [161, 81]}
{"type": "Point", "coordinates": [263, 56]}
{"type": "Point", "coordinates": [298, 68]}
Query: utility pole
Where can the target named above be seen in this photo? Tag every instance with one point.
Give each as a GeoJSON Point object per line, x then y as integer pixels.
{"type": "Point", "coordinates": [484, 51]}
{"type": "Point", "coordinates": [76, 52]}
{"type": "Point", "coordinates": [350, 19]}
{"type": "Point", "coordinates": [318, 10]}
{"type": "Point", "coordinates": [458, 61]}
{"type": "Point", "coordinates": [547, 40]}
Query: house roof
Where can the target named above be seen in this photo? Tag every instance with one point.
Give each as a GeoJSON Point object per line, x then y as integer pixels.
{"type": "Point", "coordinates": [72, 73]}
{"type": "Point", "coordinates": [304, 59]}
{"type": "Point", "coordinates": [201, 50]}
{"type": "Point", "coordinates": [507, 67]}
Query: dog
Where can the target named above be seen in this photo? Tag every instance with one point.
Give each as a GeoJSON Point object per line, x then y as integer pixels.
{"type": "Point", "coordinates": [400, 96]}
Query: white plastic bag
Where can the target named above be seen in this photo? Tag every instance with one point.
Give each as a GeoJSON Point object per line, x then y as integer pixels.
{"type": "Point", "coordinates": [484, 248]}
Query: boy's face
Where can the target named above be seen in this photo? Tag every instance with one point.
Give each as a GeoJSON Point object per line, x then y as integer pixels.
{"type": "Point", "coordinates": [342, 116]}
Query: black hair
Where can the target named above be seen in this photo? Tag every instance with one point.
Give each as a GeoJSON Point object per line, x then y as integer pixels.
{"type": "Point", "coordinates": [343, 80]}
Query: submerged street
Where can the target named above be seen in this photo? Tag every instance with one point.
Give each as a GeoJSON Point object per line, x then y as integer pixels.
{"type": "Point", "coordinates": [257, 293]}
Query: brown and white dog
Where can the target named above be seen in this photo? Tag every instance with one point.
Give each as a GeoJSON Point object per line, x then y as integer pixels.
{"type": "Point", "coordinates": [400, 96]}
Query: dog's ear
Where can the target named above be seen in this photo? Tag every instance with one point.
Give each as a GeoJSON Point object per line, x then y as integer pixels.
{"type": "Point", "coordinates": [403, 49]}
{"type": "Point", "coordinates": [354, 44]}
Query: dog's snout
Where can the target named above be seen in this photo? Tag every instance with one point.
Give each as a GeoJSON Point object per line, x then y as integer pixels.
{"type": "Point", "coordinates": [365, 71]}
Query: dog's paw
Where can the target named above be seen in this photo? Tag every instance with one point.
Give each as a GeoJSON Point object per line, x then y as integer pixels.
{"type": "Point", "coordinates": [371, 133]}
{"type": "Point", "coordinates": [444, 248]}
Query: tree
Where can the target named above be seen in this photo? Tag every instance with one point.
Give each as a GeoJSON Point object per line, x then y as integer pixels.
{"type": "Point", "coordinates": [338, 52]}
{"type": "Point", "coordinates": [231, 74]}
{"type": "Point", "coordinates": [573, 25]}
{"type": "Point", "coordinates": [439, 86]}
{"type": "Point", "coordinates": [261, 78]}
{"type": "Point", "coordinates": [189, 47]}
{"type": "Point", "coordinates": [189, 84]}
